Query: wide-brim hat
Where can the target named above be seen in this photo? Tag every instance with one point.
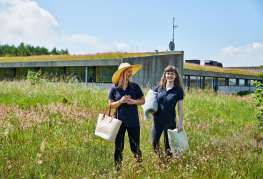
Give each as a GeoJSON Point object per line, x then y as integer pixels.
{"type": "Point", "coordinates": [122, 67]}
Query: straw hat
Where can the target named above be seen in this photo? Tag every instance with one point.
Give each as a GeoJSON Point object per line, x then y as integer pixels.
{"type": "Point", "coordinates": [122, 67]}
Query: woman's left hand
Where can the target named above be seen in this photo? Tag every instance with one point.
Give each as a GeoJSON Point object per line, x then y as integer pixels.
{"type": "Point", "coordinates": [180, 127]}
{"type": "Point", "coordinates": [131, 101]}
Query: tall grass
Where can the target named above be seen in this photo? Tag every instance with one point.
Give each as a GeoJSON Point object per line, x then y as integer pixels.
{"type": "Point", "coordinates": [47, 130]}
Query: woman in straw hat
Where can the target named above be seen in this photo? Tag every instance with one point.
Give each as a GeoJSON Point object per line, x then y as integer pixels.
{"type": "Point", "coordinates": [170, 92]}
{"type": "Point", "coordinates": [125, 96]}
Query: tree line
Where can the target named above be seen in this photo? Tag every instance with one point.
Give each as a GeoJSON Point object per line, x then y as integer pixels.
{"type": "Point", "coordinates": [28, 50]}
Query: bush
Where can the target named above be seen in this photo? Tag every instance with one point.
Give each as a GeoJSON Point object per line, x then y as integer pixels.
{"type": "Point", "coordinates": [243, 93]}
{"type": "Point", "coordinates": [72, 78]}
{"type": "Point", "coordinates": [33, 77]}
{"type": "Point", "coordinates": [259, 100]}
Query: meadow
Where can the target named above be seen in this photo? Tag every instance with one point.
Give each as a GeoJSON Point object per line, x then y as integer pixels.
{"type": "Point", "coordinates": [47, 131]}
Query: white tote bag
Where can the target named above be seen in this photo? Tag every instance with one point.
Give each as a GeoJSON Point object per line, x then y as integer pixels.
{"type": "Point", "coordinates": [178, 141]}
{"type": "Point", "coordinates": [107, 127]}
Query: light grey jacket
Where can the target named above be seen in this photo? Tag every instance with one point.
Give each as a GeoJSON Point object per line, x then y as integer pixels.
{"type": "Point", "coordinates": [151, 104]}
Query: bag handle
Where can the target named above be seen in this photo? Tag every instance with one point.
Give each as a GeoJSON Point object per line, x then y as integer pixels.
{"type": "Point", "coordinates": [116, 111]}
{"type": "Point", "coordinates": [108, 109]}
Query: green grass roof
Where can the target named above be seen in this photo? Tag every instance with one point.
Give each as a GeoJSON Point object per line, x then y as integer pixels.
{"type": "Point", "coordinates": [97, 56]}
{"type": "Point", "coordinates": [190, 66]}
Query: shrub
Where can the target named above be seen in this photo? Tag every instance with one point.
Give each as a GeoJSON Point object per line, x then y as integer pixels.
{"type": "Point", "coordinates": [243, 93]}
{"type": "Point", "coordinates": [259, 100]}
{"type": "Point", "coordinates": [33, 77]}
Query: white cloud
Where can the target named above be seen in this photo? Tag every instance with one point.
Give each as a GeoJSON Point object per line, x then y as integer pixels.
{"type": "Point", "coordinates": [25, 21]}
{"type": "Point", "coordinates": [247, 55]}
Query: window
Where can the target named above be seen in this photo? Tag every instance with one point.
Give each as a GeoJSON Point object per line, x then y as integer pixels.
{"type": "Point", "coordinates": [221, 82]}
{"type": "Point", "coordinates": [208, 82]}
{"type": "Point", "coordinates": [232, 82]}
{"type": "Point", "coordinates": [241, 82]}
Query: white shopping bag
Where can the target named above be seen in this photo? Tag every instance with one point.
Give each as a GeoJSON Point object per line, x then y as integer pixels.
{"type": "Point", "coordinates": [178, 141]}
{"type": "Point", "coordinates": [107, 127]}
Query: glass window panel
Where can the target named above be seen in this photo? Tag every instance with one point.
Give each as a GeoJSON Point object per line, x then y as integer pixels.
{"type": "Point", "coordinates": [241, 82]}
{"type": "Point", "coordinates": [232, 82]}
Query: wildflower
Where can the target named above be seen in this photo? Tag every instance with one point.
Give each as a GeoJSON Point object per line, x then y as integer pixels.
{"type": "Point", "coordinates": [42, 145]}
{"type": "Point", "coordinates": [39, 162]}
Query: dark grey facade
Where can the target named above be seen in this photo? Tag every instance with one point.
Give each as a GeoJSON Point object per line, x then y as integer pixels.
{"type": "Point", "coordinates": [153, 67]}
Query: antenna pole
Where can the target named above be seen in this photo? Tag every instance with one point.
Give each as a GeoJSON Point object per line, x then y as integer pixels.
{"type": "Point", "coordinates": [173, 29]}
{"type": "Point", "coordinates": [171, 44]}
{"type": "Point", "coordinates": [174, 26]}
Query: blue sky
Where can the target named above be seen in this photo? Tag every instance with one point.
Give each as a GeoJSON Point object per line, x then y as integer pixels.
{"type": "Point", "coordinates": [227, 31]}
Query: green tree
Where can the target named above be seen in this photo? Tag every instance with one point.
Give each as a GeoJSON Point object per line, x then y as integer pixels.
{"type": "Point", "coordinates": [54, 51]}
{"type": "Point", "coordinates": [44, 51]}
{"type": "Point", "coordinates": [261, 74]}
{"type": "Point", "coordinates": [23, 50]}
{"type": "Point", "coordinates": [27, 50]}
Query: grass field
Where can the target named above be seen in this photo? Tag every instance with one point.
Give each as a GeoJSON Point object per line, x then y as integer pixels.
{"type": "Point", "coordinates": [47, 131]}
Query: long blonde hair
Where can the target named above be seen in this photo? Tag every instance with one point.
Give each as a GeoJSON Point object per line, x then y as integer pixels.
{"type": "Point", "coordinates": [122, 80]}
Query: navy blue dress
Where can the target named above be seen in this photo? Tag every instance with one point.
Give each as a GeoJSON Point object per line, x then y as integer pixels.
{"type": "Point", "coordinates": [165, 117]}
{"type": "Point", "coordinates": [128, 114]}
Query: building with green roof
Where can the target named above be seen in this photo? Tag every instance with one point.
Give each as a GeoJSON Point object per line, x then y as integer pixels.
{"type": "Point", "coordinates": [99, 68]}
